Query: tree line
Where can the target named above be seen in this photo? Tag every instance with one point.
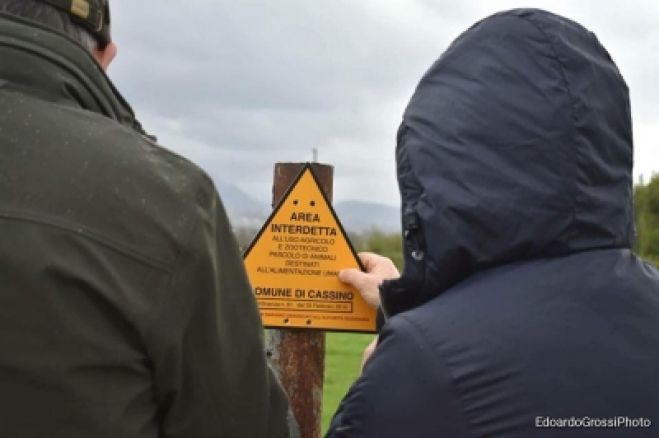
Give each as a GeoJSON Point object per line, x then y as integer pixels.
{"type": "Point", "coordinates": [646, 203]}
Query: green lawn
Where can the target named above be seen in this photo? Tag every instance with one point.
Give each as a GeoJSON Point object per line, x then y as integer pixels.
{"type": "Point", "coordinates": [342, 361]}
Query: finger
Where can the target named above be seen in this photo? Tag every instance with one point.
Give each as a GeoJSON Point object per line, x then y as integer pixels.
{"type": "Point", "coordinates": [370, 260]}
{"type": "Point", "coordinates": [378, 265]}
{"type": "Point", "coordinates": [355, 278]}
{"type": "Point", "coordinates": [386, 269]}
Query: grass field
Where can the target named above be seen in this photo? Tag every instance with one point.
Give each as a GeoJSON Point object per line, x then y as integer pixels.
{"type": "Point", "coordinates": [342, 361]}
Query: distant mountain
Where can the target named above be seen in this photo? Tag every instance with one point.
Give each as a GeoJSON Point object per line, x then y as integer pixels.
{"type": "Point", "coordinates": [243, 210]}
{"type": "Point", "coordinates": [356, 216]}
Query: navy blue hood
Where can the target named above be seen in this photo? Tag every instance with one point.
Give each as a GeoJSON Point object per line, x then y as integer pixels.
{"type": "Point", "coordinates": [516, 145]}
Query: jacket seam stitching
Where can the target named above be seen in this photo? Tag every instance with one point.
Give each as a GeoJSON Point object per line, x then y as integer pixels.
{"type": "Point", "coordinates": [573, 115]}
{"type": "Point", "coordinates": [453, 384]}
{"type": "Point", "coordinates": [151, 326]}
{"type": "Point", "coordinates": [89, 235]}
{"type": "Point", "coordinates": [166, 299]}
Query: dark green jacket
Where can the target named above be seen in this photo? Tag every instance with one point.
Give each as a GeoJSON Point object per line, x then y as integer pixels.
{"type": "Point", "coordinates": [124, 307]}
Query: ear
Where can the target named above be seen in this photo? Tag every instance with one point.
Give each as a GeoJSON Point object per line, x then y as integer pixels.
{"type": "Point", "coordinates": [104, 57]}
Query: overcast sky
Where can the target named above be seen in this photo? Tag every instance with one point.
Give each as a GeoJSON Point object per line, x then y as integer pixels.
{"type": "Point", "coordinates": [236, 85]}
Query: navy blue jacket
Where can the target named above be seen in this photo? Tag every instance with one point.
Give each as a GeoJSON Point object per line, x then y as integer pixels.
{"type": "Point", "coordinates": [521, 304]}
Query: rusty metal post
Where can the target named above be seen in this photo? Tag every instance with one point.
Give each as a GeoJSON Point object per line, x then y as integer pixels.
{"type": "Point", "coordinates": [298, 356]}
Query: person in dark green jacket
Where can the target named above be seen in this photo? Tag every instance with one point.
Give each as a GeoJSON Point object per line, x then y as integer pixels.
{"type": "Point", "coordinates": [125, 311]}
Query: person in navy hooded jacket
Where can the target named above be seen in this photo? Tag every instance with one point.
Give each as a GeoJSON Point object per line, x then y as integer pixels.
{"type": "Point", "coordinates": [521, 311]}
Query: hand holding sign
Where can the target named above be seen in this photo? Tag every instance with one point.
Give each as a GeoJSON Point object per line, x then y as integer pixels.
{"type": "Point", "coordinates": [368, 283]}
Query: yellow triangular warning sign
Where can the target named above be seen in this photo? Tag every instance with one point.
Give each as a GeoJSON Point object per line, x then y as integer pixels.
{"type": "Point", "coordinates": [294, 261]}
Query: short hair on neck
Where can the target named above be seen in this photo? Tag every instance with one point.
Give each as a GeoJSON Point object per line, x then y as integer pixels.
{"type": "Point", "coordinates": [51, 17]}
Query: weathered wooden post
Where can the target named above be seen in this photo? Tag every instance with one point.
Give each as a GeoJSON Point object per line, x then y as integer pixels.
{"type": "Point", "coordinates": [293, 265]}
{"type": "Point", "coordinates": [298, 356]}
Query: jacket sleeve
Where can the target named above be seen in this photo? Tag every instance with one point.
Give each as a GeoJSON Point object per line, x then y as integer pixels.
{"type": "Point", "coordinates": [404, 391]}
{"type": "Point", "coordinates": [211, 374]}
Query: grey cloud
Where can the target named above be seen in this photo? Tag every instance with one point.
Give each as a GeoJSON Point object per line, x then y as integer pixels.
{"type": "Point", "coordinates": [239, 85]}
{"type": "Point", "coordinates": [263, 55]}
